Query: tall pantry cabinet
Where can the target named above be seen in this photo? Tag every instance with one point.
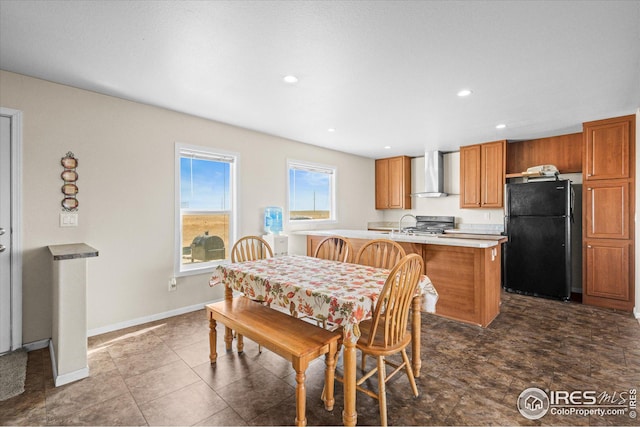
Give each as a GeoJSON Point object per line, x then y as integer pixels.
{"type": "Point", "coordinates": [608, 206]}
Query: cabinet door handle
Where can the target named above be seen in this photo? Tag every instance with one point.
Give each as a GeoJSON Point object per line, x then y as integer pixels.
{"type": "Point", "coordinates": [2, 248]}
{"type": "Point", "coordinates": [589, 246]}
{"type": "Point", "coordinates": [1, 231]}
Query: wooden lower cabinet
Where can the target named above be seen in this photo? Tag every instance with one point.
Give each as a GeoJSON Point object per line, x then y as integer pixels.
{"type": "Point", "coordinates": [609, 274]}
{"type": "Point", "coordinates": [467, 279]}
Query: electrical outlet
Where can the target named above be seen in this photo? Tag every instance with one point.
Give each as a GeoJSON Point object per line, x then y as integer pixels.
{"type": "Point", "coordinates": [173, 285]}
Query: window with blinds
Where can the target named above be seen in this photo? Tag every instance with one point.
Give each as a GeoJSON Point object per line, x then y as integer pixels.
{"type": "Point", "coordinates": [205, 207]}
{"type": "Point", "coordinates": [311, 191]}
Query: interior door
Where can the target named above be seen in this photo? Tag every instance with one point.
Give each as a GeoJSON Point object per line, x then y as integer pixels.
{"type": "Point", "coordinates": [10, 235]}
{"type": "Point", "coordinates": [5, 234]}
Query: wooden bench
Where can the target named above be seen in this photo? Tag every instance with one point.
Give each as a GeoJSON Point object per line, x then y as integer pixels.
{"type": "Point", "coordinates": [294, 339]}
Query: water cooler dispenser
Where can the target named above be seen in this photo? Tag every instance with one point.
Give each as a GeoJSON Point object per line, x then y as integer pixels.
{"type": "Point", "coordinates": [273, 227]}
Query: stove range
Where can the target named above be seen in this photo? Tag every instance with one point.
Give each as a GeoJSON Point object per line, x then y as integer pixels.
{"type": "Point", "coordinates": [430, 225]}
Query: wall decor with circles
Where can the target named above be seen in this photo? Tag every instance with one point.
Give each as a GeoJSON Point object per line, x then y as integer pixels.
{"type": "Point", "coordinates": [69, 188]}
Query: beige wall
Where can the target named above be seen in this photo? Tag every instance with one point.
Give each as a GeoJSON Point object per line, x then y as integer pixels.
{"type": "Point", "coordinates": [126, 194]}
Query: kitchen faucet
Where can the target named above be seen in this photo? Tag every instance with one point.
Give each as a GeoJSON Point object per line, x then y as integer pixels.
{"type": "Point", "coordinates": [403, 217]}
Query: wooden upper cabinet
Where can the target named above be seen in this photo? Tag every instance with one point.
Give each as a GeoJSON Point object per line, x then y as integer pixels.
{"type": "Point", "coordinates": [607, 148]}
{"type": "Point", "coordinates": [470, 176]}
{"type": "Point", "coordinates": [607, 215]}
{"type": "Point", "coordinates": [562, 151]}
{"type": "Point", "coordinates": [382, 183]}
{"type": "Point", "coordinates": [393, 183]}
{"type": "Point", "coordinates": [482, 175]}
{"type": "Point", "coordinates": [493, 156]}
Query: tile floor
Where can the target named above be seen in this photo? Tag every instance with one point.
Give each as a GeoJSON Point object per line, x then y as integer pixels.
{"type": "Point", "coordinates": [159, 374]}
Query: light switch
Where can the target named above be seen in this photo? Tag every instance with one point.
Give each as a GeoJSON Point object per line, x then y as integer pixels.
{"type": "Point", "coordinates": [68, 219]}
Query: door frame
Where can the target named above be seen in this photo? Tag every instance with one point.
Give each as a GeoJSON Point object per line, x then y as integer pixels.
{"type": "Point", "coordinates": [16, 225]}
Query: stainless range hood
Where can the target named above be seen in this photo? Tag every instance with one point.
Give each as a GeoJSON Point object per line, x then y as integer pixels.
{"type": "Point", "coordinates": [433, 175]}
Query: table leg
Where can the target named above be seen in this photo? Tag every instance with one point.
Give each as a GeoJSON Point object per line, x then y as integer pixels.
{"type": "Point", "coordinates": [239, 343]}
{"type": "Point", "coordinates": [416, 361]}
{"type": "Point", "coordinates": [228, 333]}
{"type": "Point", "coordinates": [213, 354]}
{"type": "Point", "coordinates": [329, 377]}
{"type": "Point", "coordinates": [301, 393]}
{"type": "Point", "coordinates": [349, 415]}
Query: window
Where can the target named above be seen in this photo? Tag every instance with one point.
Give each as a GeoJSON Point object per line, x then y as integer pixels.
{"type": "Point", "coordinates": [311, 192]}
{"type": "Point", "coordinates": [205, 207]}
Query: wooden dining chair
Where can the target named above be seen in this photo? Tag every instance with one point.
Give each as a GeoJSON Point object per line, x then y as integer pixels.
{"type": "Point", "coordinates": [386, 333]}
{"type": "Point", "coordinates": [335, 248]}
{"type": "Point", "coordinates": [381, 253]}
{"type": "Point", "coordinates": [250, 248]}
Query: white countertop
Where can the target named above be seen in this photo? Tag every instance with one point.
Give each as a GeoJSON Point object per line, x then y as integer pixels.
{"type": "Point", "coordinates": [427, 240]}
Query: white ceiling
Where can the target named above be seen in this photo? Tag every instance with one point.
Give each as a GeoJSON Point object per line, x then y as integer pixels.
{"type": "Point", "coordinates": [379, 72]}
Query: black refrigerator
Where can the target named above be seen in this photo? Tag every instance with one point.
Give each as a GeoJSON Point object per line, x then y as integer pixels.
{"type": "Point", "coordinates": [542, 256]}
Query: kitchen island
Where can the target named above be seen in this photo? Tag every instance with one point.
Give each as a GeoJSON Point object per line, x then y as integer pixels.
{"type": "Point", "coordinates": [464, 271]}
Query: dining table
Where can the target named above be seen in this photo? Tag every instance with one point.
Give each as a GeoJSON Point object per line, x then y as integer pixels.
{"type": "Point", "coordinates": [340, 293]}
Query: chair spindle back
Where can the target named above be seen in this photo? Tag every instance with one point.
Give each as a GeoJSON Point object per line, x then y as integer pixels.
{"type": "Point", "coordinates": [381, 253]}
{"type": "Point", "coordinates": [392, 308]}
{"type": "Point", "coordinates": [335, 248]}
{"type": "Point", "coordinates": [250, 248]}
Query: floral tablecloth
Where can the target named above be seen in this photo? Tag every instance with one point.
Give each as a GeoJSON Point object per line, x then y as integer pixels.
{"type": "Point", "coordinates": [342, 293]}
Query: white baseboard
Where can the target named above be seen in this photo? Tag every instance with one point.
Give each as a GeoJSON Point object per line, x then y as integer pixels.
{"type": "Point", "coordinates": [636, 312]}
{"type": "Point", "coordinates": [147, 319]}
{"type": "Point", "coordinates": [52, 355]}
{"type": "Point", "coordinates": [37, 345]}
{"type": "Point", "coordinates": [69, 377]}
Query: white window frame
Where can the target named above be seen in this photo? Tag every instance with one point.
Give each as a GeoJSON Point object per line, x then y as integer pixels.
{"type": "Point", "coordinates": [233, 158]}
{"type": "Point", "coordinates": [313, 167]}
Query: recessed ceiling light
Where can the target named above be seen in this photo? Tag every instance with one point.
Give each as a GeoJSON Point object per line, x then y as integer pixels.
{"type": "Point", "coordinates": [501, 126]}
{"type": "Point", "coordinates": [331, 130]}
{"type": "Point", "coordinates": [387, 147]}
{"type": "Point", "coordinates": [290, 79]}
{"type": "Point", "coordinates": [464, 92]}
